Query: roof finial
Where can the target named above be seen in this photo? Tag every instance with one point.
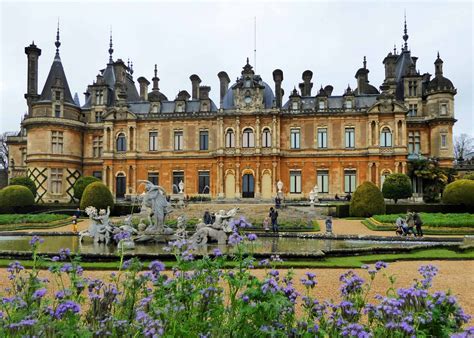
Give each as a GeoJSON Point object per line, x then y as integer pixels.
{"type": "Point", "coordinates": [365, 63]}
{"type": "Point", "coordinates": [111, 50]}
{"type": "Point", "coordinates": [128, 63]}
{"type": "Point", "coordinates": [156, 70]}
{"type": "Point", "coordinates": [57, 43]}
{"type": "Point", "coordinates": [438, 54]}
{"type": "Point", "coordinates": [247, 60]}
{"type": "Point", "coordinates": [405, 36]}
{"type": "Point", "coordinates": [395, 49]}
{"type": "Point", "coordinates": [131, 67]}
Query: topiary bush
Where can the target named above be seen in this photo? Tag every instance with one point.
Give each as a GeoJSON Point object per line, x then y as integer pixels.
{"type": "Point", "coordinates": [367, 201]}
{"type": "Point", "coordinates": [81, 184]}
{"type": "Point", "coordinates": [24, 181]}
{"type": "Point", "coordinates": [397, 186]}
{"type": "Point", "coordinates": [97, 195]}
{"type": "Point", "coordinates": [15, 197]}
{"type": "Point", "coordinates": [459, 192]}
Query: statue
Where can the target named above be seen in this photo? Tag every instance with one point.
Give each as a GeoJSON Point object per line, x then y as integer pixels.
{"type": "Point", "coordinates": [100, 229]}
{"type": "Point", "coordinates": [218, 231]}
{"type": "Point", "coordinates": [313, 195]}
{"type": "Point", "coordinates": [181, 187]}
{"type": "Point", "coordinates": [279, 186]}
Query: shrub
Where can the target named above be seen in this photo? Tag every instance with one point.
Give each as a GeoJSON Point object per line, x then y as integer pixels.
{"type": "Point", "coordinates": [459, 192]}
{"type": "Point", "coordinates": [97, 195]}
{"type": "Point", "coordinates": [397, 186]}
{"type": "Point", "coordinates": [469, 176]}
{"type": "Point", "coordinates": [81, 184]}
{"type": "Point", "coordinates": [24, 181]}
{"type": "Point", "coordinates": [15, 197]}
{"type": "Point", "coordinates": [367, 201]}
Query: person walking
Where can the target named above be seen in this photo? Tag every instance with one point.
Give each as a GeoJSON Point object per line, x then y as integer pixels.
{"type": "Point", "coordinates": [410, 223]}
{"type": "Point", "coordinates": [75, 217]}
{"type": "Point", "coordinates": [274, 218]}
{"type": "Point", "coordinates": [418, 223]}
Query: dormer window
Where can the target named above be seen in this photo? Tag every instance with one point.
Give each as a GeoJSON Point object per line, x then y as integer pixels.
{"type": "Point", "coordinates": [180, 108]}
{"type": "Point", "coordinates": [99, 97]}
{"type": "Point", "coordinates": [348, 104]}
{"type": "Point", "coordinates": [154, 109]}
{"type": "Point", "coordinates": [57, 94]}
{"type": "Point", "coordinates": [412, 88]}
{"type": "Point", "coordinates": [294, 105]}
{"type": "Point", "coordinates": [98, 116]}
{"type": "Point", "coordinates": [248, 83]}
{"type": "Point", "coordinates": [322, 106]}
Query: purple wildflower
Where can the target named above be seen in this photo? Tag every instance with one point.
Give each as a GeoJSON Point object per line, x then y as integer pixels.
{"type": "Point", "coordinates": [67, 306]}
{"type": "Point", "coordinates": [156, 267]}
{"type": "Point", "coordinates": [235, 239]}
{"type": "Point", "coordinates": [35, 240]}
{"type": "Point", "coordinates": [252, 237]}
{"type": "Point", "coordinates": [352, 283]}
{"type": "Point", "coordinates": [380, 265]}
{"type": "Point", "coordinates": [122, 235]}
{"type": "Point", "coordinates": [39, 293]}
{"type": "Point", "coordinates": [15, 267]}
{"type": "Point", "coordinates": [217, 252]}
{"type": "Point", "coordinates": [64, 253]}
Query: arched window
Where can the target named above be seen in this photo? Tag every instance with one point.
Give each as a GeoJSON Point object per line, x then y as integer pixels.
{"type": "Point", "coordinates": [386, 137]}
{"type": "Point", "coordinates": [121, 142]}
{"type": "Point", "coordinates": [229, 139]}
{"type": "Point", "coordinates": [266, 138]}
{"type": "Point", "coordinates": [248, 140]}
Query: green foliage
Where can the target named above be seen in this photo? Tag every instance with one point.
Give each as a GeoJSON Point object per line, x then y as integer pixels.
{"type": "Point", "coordinates": [460, 192]}
{"type": "Point", "coordinates": [97, 195]}
{"type": "Point", "coordinates": [25, 181]}
{"type": "Point", "coordinates": [397, 186]}
{"type": "Point", "coordinates": [26, 218]}
{"type": "Point", "coordinates": [82, 183]}
{"type": "Point", "coordinates": [199, 198]}
{"type": "Point", "coordinates": [469, 176]}
{"type": "Point", "coordinates": [15, 197]}
{"type": "Point", "coordinates": [367, 201]}
{"type": "Point", "coordinates": [434, 219]}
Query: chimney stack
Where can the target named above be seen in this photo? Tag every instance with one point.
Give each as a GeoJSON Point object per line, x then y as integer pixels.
{"type": "Point", "coordinates": [195, 81]}
{"type": "Point", "coordinates": [224, 85]}
{"type": "Point", "coordinates": [33, 53]}
{"type": "Point", "coordinates": [306, 85]}
{"type": "Point", "coordinates": [278, 78]}
{"type": "Point", "coordinates": [328, 89]}
{"type": "Point", "coordinates": [143, 88]}
{"type": "Point", "coordinates": [204, 92]}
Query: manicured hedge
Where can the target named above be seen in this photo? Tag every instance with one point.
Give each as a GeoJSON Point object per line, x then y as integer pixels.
{"type": "Point", "coordinates": [396, 187]}
{"type": "Point", "coordinates": [15, 198]}
{"type": "Point", "coordinates": [30, 218]}
{"type": "Point", "coordinates": [82, 183]}
{"type": "Point", "coordinates": [24, 181]}
{"type": "Point", "coordinates": [434, 220]}
{"type": "Point", "coordinates": [460, 192]}
{"type": "Point", "coordinates": [97, 195]}
{"type": "Point", "coordinates": [367, 201]}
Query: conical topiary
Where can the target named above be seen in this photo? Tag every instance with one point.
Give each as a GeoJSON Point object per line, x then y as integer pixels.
{"type": "Point", "coordinates": [367, 201]}
{"type": "Point", "coordinates": [97, 195]}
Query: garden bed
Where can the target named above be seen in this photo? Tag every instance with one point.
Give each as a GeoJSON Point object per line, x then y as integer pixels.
{"type": "Point", "coordinates": [13, 222]}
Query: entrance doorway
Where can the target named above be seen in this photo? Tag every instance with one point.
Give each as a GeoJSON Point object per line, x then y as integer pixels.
{"type": "Point", "coordinates": [248, 189]}
{"type": "Point", "coordinates": [120, 186]}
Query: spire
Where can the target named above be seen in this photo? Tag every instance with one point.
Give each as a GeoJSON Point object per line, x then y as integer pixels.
{"type": "Point", "coordinates": [365, 63]}
{"type": "Point", "coordinates": [131, 67]}
{"type": "Point", "coordinates": [111, 50]}
{"type": "Point", "coordinates": [57, 43]}
{"type": "Point", "coordinates": [405, 36]}
{"type": "Point", "coordinates": [156, 79]}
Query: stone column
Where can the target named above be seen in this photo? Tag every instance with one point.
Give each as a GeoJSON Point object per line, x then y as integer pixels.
{"type": "Point", "coordinates": [238, 180]}
{"type": "Point", "coordinates": [377, 174]}
{"type": "Point", "coordinates": [134, 182]}
{"type": "Point", "coordinates": [370, 172]}
{"type": "Point", "coordinates": [237, 135]}
{"type": "Point", "coordinates": [135, 145]}
{"type": "Point", "coordinates": [274, 178]}
{"type": "Point", "coordinates": [397, 167]}
{"type": "Point", "coordinates": [370, 133]}
{"type": "Point", "coordinates": [377, 134]}
{"type": "Point", "coordinates": [220, 136]}
{"type": "Point", "coordinates": [257, 181]}
{"type": "Point", "coordinates": [404, 167]}
{"type": "Point", "coordinates": [395, 135]}
{"type": "Point", "coordinates": [275, 144]}
{"type": "Point", "coordinates": [220, 180]}
{"type": "Point", "coordinates": [104, 175]}
{"type": "Point", "coordinates": [257, 132]}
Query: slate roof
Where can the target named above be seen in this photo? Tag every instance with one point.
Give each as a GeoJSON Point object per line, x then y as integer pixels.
{"type": "Point", "coordinates": [336, 102]}
{"type": "Point", "coordinates": [268, 97]}
{"type": "Point", "coordinates": [56, 72]}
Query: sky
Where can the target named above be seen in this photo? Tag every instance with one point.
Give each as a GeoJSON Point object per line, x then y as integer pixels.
{"type": "Point", "coordinates": [204, 38]}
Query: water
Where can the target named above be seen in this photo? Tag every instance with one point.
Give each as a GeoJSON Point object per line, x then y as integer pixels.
{"type": "Point", "coordinates": [262, 245]}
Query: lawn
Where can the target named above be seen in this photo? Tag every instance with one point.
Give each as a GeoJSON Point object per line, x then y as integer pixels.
{"type": "Point", "coordinates": [434, 220]}
{"type": "Point", "coordinates": [33, 218]}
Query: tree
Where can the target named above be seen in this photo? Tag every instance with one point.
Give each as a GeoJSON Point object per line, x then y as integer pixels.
{"type": "Point", "coordinates": [4, 150]}
{"type": "Point", "coordinates": [460, 192]}
{"type": "Point", "coordinates": [367, 201]}
{"type": "Point", "coordinates": [397, 186]}
{"type": "Point", "coordinates": [98, 196]}
{"type": "Point", "coordinates": [81, 184]}
{"type": "Point", "coordinates": [463, 145]}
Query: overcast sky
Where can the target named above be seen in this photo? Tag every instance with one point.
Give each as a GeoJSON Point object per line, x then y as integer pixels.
{"type": "Point", "coordinates": [183, 38]}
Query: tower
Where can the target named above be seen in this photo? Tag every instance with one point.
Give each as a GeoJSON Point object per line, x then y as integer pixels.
{"type": "Point", "coordinates": [33, 53]}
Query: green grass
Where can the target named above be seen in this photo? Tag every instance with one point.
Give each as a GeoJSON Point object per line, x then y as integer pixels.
{"type": "Point", "coordinates": [330, 262]}
{"type": "Point", "coordinates": [435, 219]}
{"type": "Point", "coordinates": [461, 231]}
{"type": "Point", "coordinates": [33, 218]}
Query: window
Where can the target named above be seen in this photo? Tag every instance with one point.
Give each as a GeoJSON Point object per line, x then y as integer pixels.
{"type": "Point", "coordinates": [154, 178]}
{"type": "Point", "coordinates": [386, 137]}
{"type": "Point", "coordinates": [295, 138]}
{"type": "Point", "coordinates": [350, 137]}
{"type": "Point", "coordinates": [348, 104]}
{"type": "Point", "coordinates": [414, 142]}
{"type": "Point", "coordinates": [97, 174]}
{"type": "Point", "coordinates": [294, 105]}
{"type": "Point", "coordinates": [203, 182]}
{"type": "Point", "coordinates": [323, 181]}
{"type": "Point", "coordinates": [98, 116]}
{"type": "Point", "coordinates": [412, 110]}
{"type": "Point", "coordinates": [444, 109]}
{"type": "Point", "coordinates": [412, 87]}
{"type": "Point", "coordinates": [153, 141]}
{"type": "Point", "coordinates": [444, 141]}
{"type": "Point", "coordinates": [322, 106]}
{"type": "Point", "coordinates": [295, 182]}
{"type": "Point", "coordinates": [56, 181]}
{"type": "Point", "coordinates": [322, 138]}
{"type": "Point", "coordinates": [180, 108]}
{"type": "Point", "coordinates": [97, 146]}
{"type": "Point", "coordinates": [248, 140]}
{"type": "Point", "coordinates": [99, 97]}
{"type": "Point", "coordinates": [178, 176]}
{"type": "Point", "coordinates": [178, 140]}
{"type": "Point", "coordinates": [230, 139]}
{"type": "Point", "coordinates": [154, 109]}
{"type": "Point", "coordinates": [57, 110]}
{"type": "Point", "coordinates": [266, 138]}
{"type": "Point", "coordinates": [349, 181]}
{"type": "Point", "coordinates": [203, 140]}
{"type": "Point", "coordinates": [121, 142]}
{"type": "Point", "coordinates": [58, 95]}
{"type": "Point", "coordinates": [57, 142]}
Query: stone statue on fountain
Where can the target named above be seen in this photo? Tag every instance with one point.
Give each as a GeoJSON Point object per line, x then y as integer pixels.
{"type": "Point", "coordinates": [101, 230]}
{"type": "Point", "coordinates": [218, 231]}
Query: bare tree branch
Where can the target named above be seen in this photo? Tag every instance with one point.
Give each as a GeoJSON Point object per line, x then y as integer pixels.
{"type": "Point", "coordinates": [463, 145]}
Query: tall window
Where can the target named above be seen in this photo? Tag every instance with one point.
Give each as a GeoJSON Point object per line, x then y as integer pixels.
{"type": "Point", "coordinates": [444, 109]}
{"type": "Point", "coordinates": [414, 142]}
{"type": "Point", "coordinates": [98, 116]}
{"type": "Point", "coordinates": [229, 139]}
{"type": "Point", "coordinates": [412, 110]}
{"type": "Point", "coordinates": [323, 181]}
{"type": "Point", "coordinates": [444, 141]}
{"type": "Point", "coordinates": [178, 176]}
{"type": "Point", "coordinates": [295, 138]}
{"type": "Point", "coordinates": [57, 142]}
{"type": "Point", "coordinates": [153, 141]}
{"type": "Point", "coordinates": [97, 174]}
{"type": "Point", "coordinates": [97, 146]}
{"type": "Point", "coordinates": [99, 97]}
{"type": "Point", "coordinates": [203, 182]}
{"type": "Point", "coordinates": [57, 110]}
{"type": "Point", "coordinates": [349, 181]}
{"type": "Point", "coordinates": [322, 138]}
{"type": "Point", "coordinates": [203, 140]}
{"type": "Point", "coordinates": [350, 138]}
{"type": "Point", "coordinates": [178, 140]}
{"type": "Point", "coordinates": [412, 88]}
{"type": "Point", "coordinates": [348, 104]}
{"type": "Point", "coordinates": [57, 95]}
{"type": "Point", "coordinates": [56, 180]}
{"type": "Point", "coordinates": [295, 182]}
{"type": "Point", "coordinates": [294, 105]}
{"type": "Point", "coordinates": [248, 140]}
{"type": "Point", "coordinates": [386, 137]}
{"type": "Point", "coordinates": [180, 108]}
{"type": "Point", "coordinates": [322, 106]}
{"type": "Point", "coordinates": [266, 138]}
{"type": "Point", "coordinates": [154, 178]}
{"type": "Point", "coordinates": [121, 142]}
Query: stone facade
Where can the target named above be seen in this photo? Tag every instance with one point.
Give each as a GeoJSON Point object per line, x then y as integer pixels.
{"type": "Point", "coordinates": [239, 149]}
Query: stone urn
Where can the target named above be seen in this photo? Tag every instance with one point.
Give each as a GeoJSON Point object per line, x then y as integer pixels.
{"type": "Point", "coordinates": [279, 186]}
{"type": "Point", "coordinates": [181, 187]}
